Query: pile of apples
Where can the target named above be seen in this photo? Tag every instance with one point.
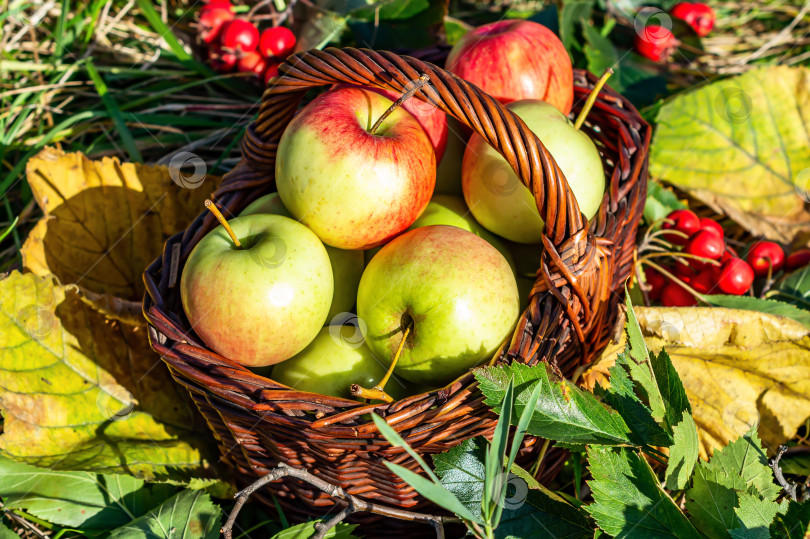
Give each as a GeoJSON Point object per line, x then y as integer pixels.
{"type": "Point", "coordinates": [706, 264]}
{"type": "Point", "coordinates": [235, 44]}
{"type": "Point", "coordinates": [363, 274]}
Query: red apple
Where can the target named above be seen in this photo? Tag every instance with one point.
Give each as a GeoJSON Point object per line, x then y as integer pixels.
{"type": "Point", "coordinates": [516, 59]}
{"type": "Point", "coordinates": [355, 189]}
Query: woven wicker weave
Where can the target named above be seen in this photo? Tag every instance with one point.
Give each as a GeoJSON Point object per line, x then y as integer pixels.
{"type": "Point", "coordinates": [569, 319]}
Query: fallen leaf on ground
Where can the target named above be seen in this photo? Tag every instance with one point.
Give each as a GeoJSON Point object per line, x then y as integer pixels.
{"type": "Point", "coordinates": [81, 391]}
{"type": "Point", "coordinates": [105, 221]}
{"type": "Point", "coordinates": [739, 368]}
{"type": "Point", "coordinates": [742, 146]}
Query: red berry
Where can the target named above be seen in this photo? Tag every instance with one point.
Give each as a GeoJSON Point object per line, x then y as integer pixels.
{"type": "Point", "coordinates": [211, 23]}
{"type": "Point", "coordinates": [216, 4]}
{"type": "Point", "coordinates": [683, 271]}
{"type": "Point", "coordinates": [278, 41]}
{"type": "Point", "coordinates": [683, 221]}
{"type": "Point", "coordinates": [239, 34]}
{"type": "Point", "coordinates": [797, 259]}
{"type": "Point", "coordinates": [699, 16]}
{"type": "Point", "coordinates": [763, 255]}
{"type": "Point", "coordinates": [222, 61]}
{"type": "Point", "coordinates": [272, 71]}
{"type": "Point", "coordinates": [730, 252]}
{"type": "Point", "coordinates": [705, 281]}
{"type": "Point", "coordinates": [674, 295]}
{"type": "Point", "coordinates": [655, 43]}
{"type": "Point", "coordinates": [735, 276]}
{"type": "Point", "coordinates": [705, 244]}
{"type": "Point", "coordinates": [711, 225]}
{"type": "Point", "coordinates": [655, 281]}
{"type": "Point", "coordinates": [251, 62]}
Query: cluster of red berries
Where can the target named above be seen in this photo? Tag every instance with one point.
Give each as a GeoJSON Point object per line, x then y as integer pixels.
{"type": "Point", "coordinates": [712, 266]}
{"type": "Point", "coordinates": [236, 44]}
{"type": "Point", "coordinates": [657, 43]}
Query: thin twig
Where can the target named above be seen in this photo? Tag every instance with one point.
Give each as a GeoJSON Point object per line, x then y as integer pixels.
{"type": "Point", "coordinates": [789, 488]}
{"type": "Point", "coordinates": [355, 505]}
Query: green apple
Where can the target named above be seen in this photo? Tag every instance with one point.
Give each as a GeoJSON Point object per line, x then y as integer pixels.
{"type": "Point", "coordinates": [354, 186]}
{"type": "Point", "coordinates": [453, 211]}
{"type": "Point", "coordinates": [452, 290]}
{"type": "Point", "coordinates": [263, 302]}
{"type": "Point", "coordinates": [333, 361]}
{"type": "Point", "coordinates": [347, 266]}
{"type": "Point", "coordinates": [448, 172]}
{"type": "Point", "coordinates": [497, 197]}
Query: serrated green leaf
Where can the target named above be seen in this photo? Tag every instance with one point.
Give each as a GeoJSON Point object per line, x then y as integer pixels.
{"type": "Point", "coordinates": [572, 12]}
{"type": "Point", "coordinates": [564, 412]}
{"type": "Point", "coordinates": [670, 388]}
{"type": "Point", "coordinates": [601, 54]}
{"type": "Point", "coordinates": [683, 454]}
{"type": "Point", "coordinates": [745, 459]}
{"type": "Point", "coordinates": [793, 523]}
{"type": "Point", "coordinates": [740, 144]}
{"type": "Point", "coordinates": [541, 516]}
{"type": "Point", "coordinates": [573, 448]}
{"type": "Point", "coordinates": [711, 500]}
{"type": "Point", "coordinates": [639, 365]}
{"type": "Point", "coordinates": [769, 306]}
{"type": "Point", "coordinates": [305, 530]}
{"type": "Point", "coordinates": [754, 517]}
{"type": "Point", "coordinates": [433, 492]}
{"type": "Point", "coordinates": [78, 499]}
{"type": "Point", "coordinates": [6, 533]}
{"type": "Point", "coordinates": [189, 513]}
{"type": "Point", "coordinates": [622, 398]}
{"type": "Point", "coordinates": [462, 471]}
{"type": "Point", "coordinates": [660, 201]}
{"type": "Point", "coordinates": [628, 500]}
{"type": "Point", "coordinates": [795, 288]}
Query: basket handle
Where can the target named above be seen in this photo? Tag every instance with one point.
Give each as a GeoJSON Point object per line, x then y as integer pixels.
{"type": "Point", "coordinates": [501, 128]}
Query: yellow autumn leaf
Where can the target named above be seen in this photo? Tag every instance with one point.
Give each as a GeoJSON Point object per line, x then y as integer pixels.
{"type": "Point", "coordinates": [105, 221]}
{"type": "Point", "coordinates": [739, 368]}
{"type": "Point", "coordinates": [82, 391]}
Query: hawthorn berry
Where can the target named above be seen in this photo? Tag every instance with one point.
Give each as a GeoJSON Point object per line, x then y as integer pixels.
{"type": "Point", "coordinates": [763, 255]}
{"type": "Point", "coordinates": [797, 259]}
{"type": "Point", "coordinates": [222, 61]}
{"type": "Point", "coordinates": [251, 62]}
{"type": "Point", "coordinates": [216, 4]}
{"type": "Point", "coordinates": [655, 281]}
{"type": "Point", "coordinates": [655, 43]}
{"type": "Point", "coordinates": [211, 23]}
{"type": "Point", "coordinates": [278, 41]}
{"type": "Point", "coordinates": [239, 34]}
{"type": "Point", "coordinates": [271, 71]}
{"type": "Point", "coordinates": [705, 244]}
{"type": "Point", "coordinates": [735, 276]}
{"type": "Point", "coordinates": [705, 281]}
{"type": "Point", "coordinates": [684, 271]}
{"type": "Point", "coordinates": [698, 15]}
{"type": "Point", "coordinates": [674, 295]}
{"type": "Point", "coordinates": [712, 226]}
{"type": "Point", "coordinates": [683, 221]}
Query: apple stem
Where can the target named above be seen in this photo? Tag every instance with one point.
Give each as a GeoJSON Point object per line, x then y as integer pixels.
{"type": "Point", "coordinates": [221, 218]}
{"type": "Point", "coordinates": [423, 79]}
{"type": "Point", "coordinates": [378, 391]}
{"type": "Point", "coordinates": [592, 98]}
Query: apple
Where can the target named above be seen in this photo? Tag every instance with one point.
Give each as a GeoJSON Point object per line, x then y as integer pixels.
{"type": "Point", "coordinates": [333, 361]}
{"type": "Point", "coordinates": [497, 197]}
{"type": "Point", "coordinates": [448, 172]}
{"type": "Point", "coordinates": [355, 189]}
{"type": "Point", "coordinates": [452, 290]}
{"type": "Point", "coordinates": [515, 59]}
{"type": "Point", "coordinates": [263, 302]}
{"type": "Point", "coordinates": [453, 211]}
{"type": "Point", "coordinates": [347, 266]}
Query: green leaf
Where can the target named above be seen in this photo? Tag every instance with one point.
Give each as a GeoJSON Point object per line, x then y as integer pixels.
{"type": "Point", "coordinates": [392, 9]}
{"type": "Point", "coordinates": [6, 533]}
{"type": "Point", "coordinates": [494, 480]}
{"type": "Point", "coordinates": [683, 454]}
{"type": "Point", "coordinates": [396, 440]}
{"type": "Point", "coordinates": [754, 517]}
{"type": "Point", "coordinates": [639, 365]}
{"type": "Point", "coordinates": [455, 29]}
{"type": "Point", "coordinates": [793, 523]}
{"type": "Point", "coordinates": [622, 398]}
{"type": "Point", "coordinates": [421, 30]}
{"type": "Point", "coordinates": [433, 492]}
{"type": "Point", "coordinates": [601, 54]}
{"type": "Point", "coordinates": [572, 12]}
{"type": "Point", "coordinates": [78, 499]}
{"type": "Point", "coordinates": [462, 471]}
{"type": "Point", "coordinates": [795, 288]}
{"type": "Point", "coordinates": [660, 201]}
{"type": "Point", "coordinates": [306, 530]}
{"type": "Point", "coordinates": [670, 388]}
{"type": "Point", "coordinates": [628, 500]}
{"type": "Point", "coordinates": [541, 515]}
{"type": "Point", "coordinates": [745, 459]}
{"type": "Point", "coordinates": [564, 412]}
{"type": "Point", "coordinates": [769, 306]}
{"type": "Point", "coordinates": [189, 513]}
{"type": "Point", "coordinates": [740, 144]}
{"type": "Point", "coordinates": [711, 500]}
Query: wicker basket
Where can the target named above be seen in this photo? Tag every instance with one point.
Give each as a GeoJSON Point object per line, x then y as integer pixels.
{"type": "Point", "coordinates": [570, 317]}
